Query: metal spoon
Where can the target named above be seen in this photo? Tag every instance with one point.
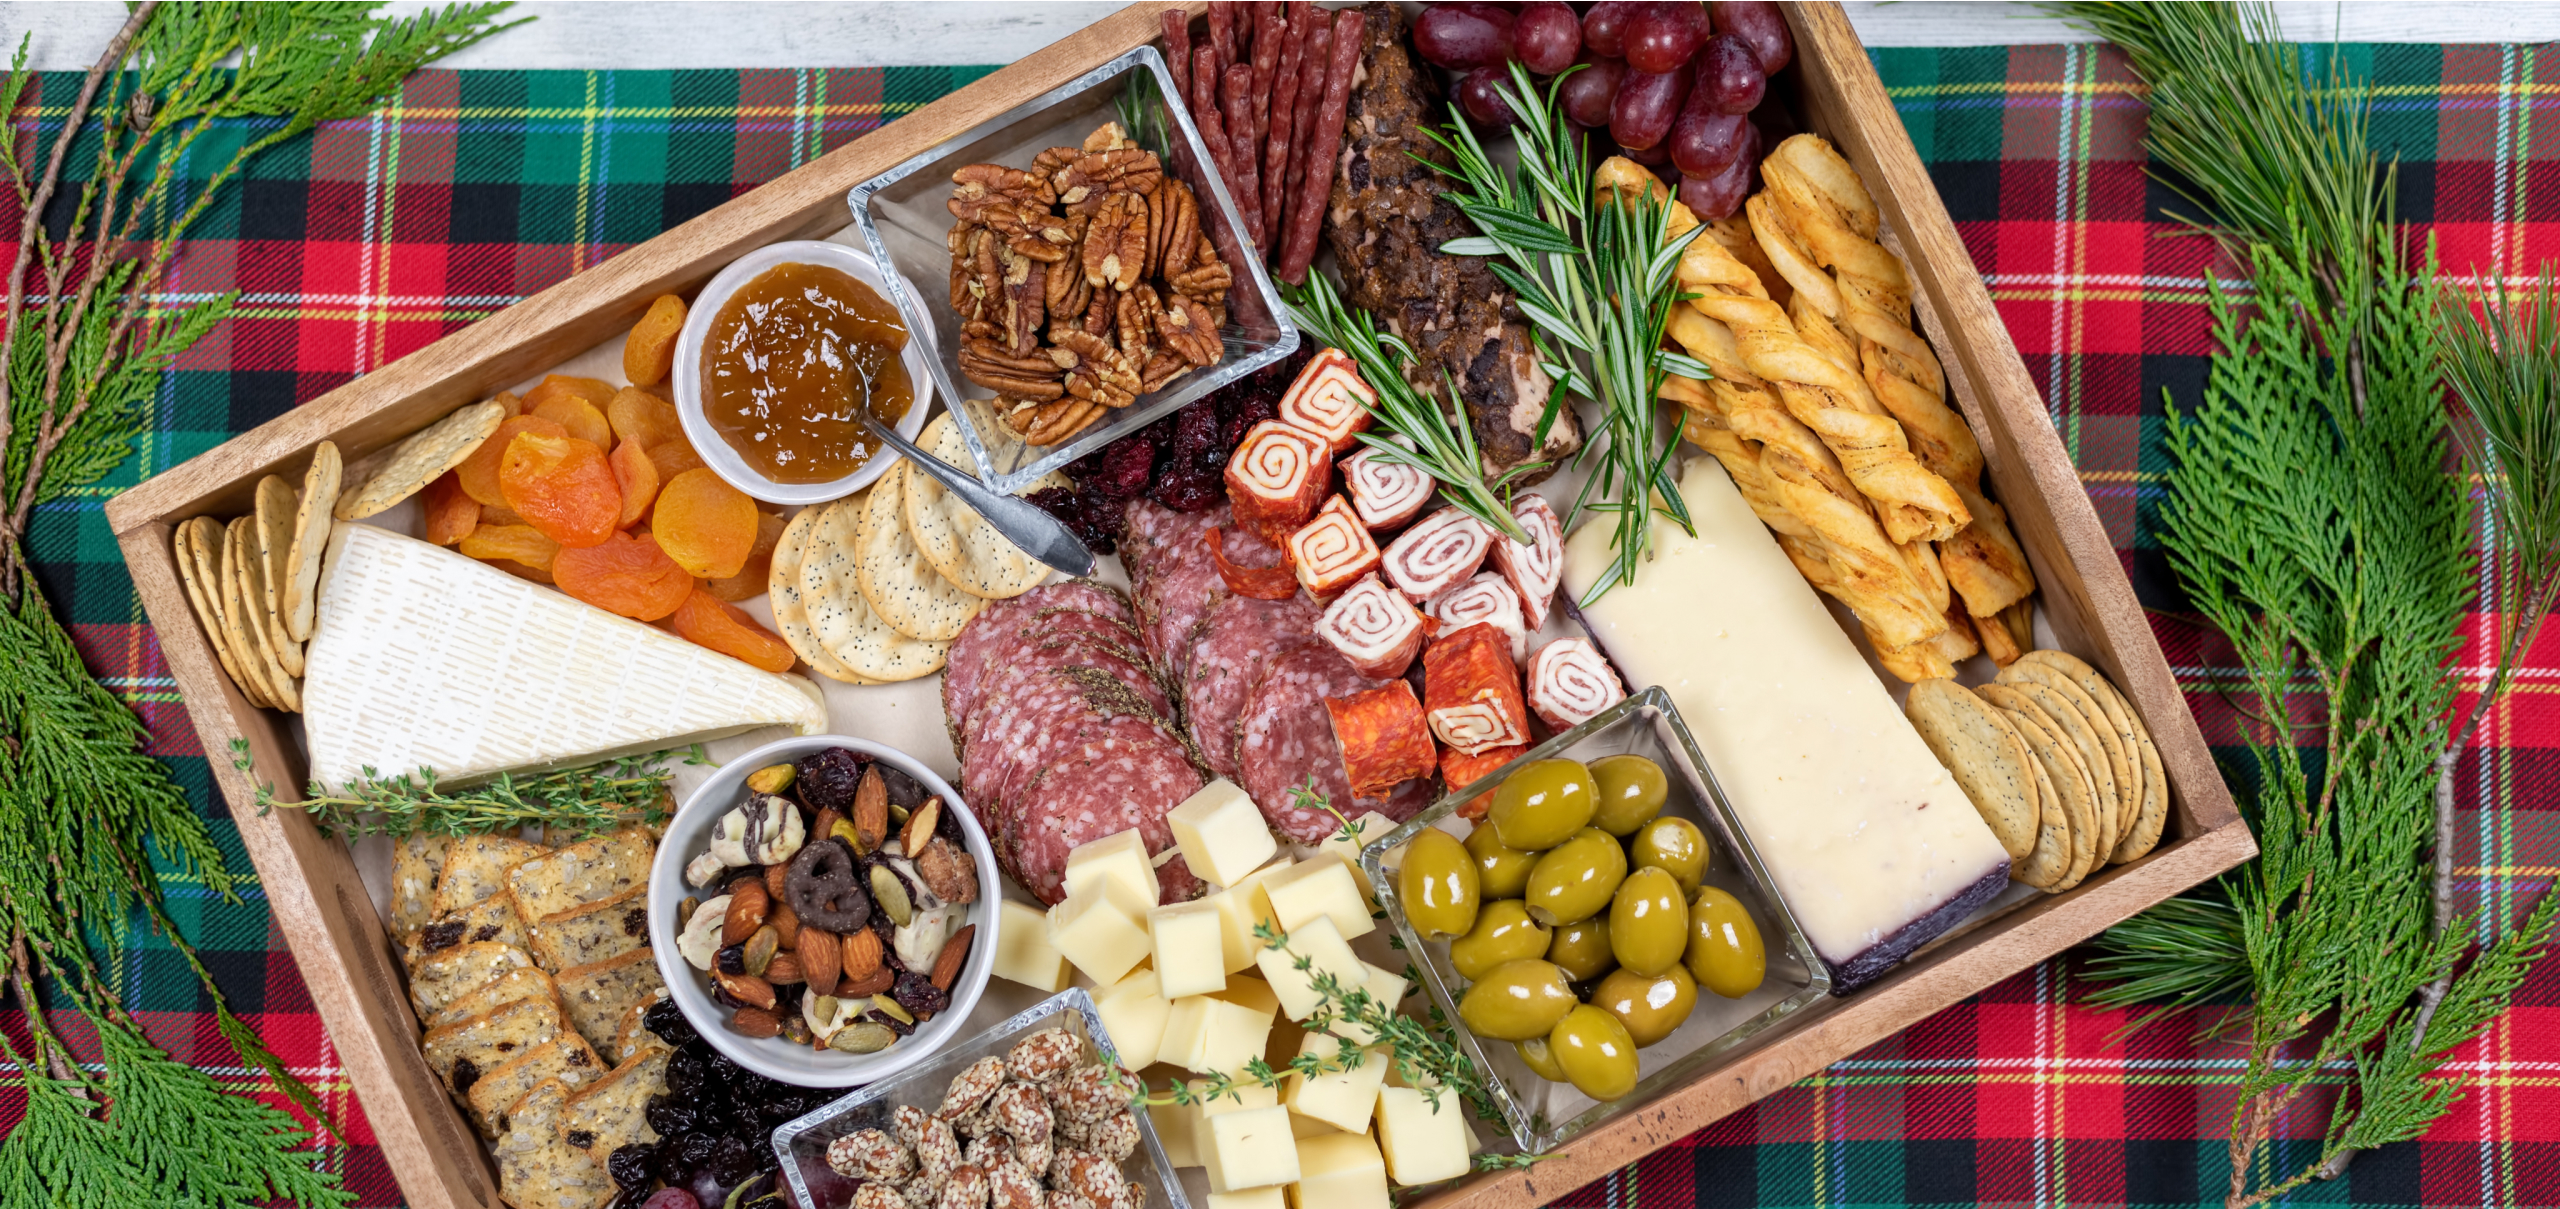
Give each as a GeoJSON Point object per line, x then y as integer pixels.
{"type": "Point", "coordinates": [1022, 522]}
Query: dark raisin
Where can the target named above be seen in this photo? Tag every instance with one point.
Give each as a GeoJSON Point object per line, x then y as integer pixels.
{"type": "Point", "coordinates": [828, 777]}
{"type": "Point", "coordinates": [733, 1161]}
{"type": "Point", "coordinates": [436, 938]}
{"type": "Point", "coordinates": [630, 1165]}
{"type": "Point", "coordinates": [688, 1153]}
{"type": "Point", "coordinates": [465, 1073]}
{"type": "Point", "coordinates": [903, 790]}
{"type": "Point", "coordinates": [580, 1138]}
{"type": "Point", "coordinates": [632, 1196]}
{"type": "Point", "coordinates": [722, 1075]}
{"type": "Point", "coordinates": [667, 1020]}
{"type": "Point", "coordinates": [686, 1067]}
{"type": "Point", "coordinates": [670, 1116]}
{"type": "Point", "coordinates": [1127, 466]}
{"type": "Point", "coordinates": [894, 1025]}
{"type": "Point", "coordinates": [753, 1089]}
{"type": "Point", "coordinates": [1188, 490]}
{"type": "Point", "coordinates": [730, 959]}
{"type": "Point", "coordinates": [489, 932]}
{"type": "Point", "coordinates": [635, 921]}
{"type": "Point", "coordinates": [916, 993]}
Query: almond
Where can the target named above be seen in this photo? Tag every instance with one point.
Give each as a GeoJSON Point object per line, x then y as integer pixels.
{"type": "Point", "coordinates": [748, 905]}
{"type": "Point", "coordinates": [756, 1022]}
{"type": "Point", "coordinates": [784, 970]}
{"type": "Point", "coordinates": [747, 989]}
{"type": "Point", "coordinates": [821, 959]}
{"type": "Point", "coordinates": [955, 952]}
{"type": "Point", "coordinates": [775, 876]}
{"type": "Point", "coordinates": [825, 824]}
{"type": "Point", "coordinates": [862, 951]}
{"type": "Point", "coordinates": [871, 812]}
{"type": "Point", "coordinates": [786, 923]}
{"type": "Point", "coordinates": [920, 827]}
{"type": "Point", "coordinates": [881, 979]}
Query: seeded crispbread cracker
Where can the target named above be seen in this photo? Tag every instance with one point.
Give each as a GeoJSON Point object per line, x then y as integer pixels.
{"type": "Point", "coordinates": [536, 1170]}
{"type": "Point", "coordinates": [566, 1057]}
{"type": "Point", "coordinates": [491, 919]}
{"type": "Point", "coordinates": [592, 932]}
{"type": "Point", "coordinates": [464, 1050]}
{"type": "Point", "coordinates": [273, 525]}
{"type": "Point", "coordinates": [241, 612]}
{"type": "Point", "coordinates": [597, 994]}
{"type": "Point", "coordinates": [1985, 755]}
{"type": "Point", "coordinates": [896, 577]}
{"type": "Point", "coordinates": [476, 866]}
{"type": "Point", "coordinates": [588, 871]}
{"type": "Point", "coordinates": [428, 452]}
{"type": "Point", "coordinates": [840, 616]}
{"type": "Point", "coordinates": [2153, 814]}
{"type": "Point", "coordinates": [2068, 777]}
{"type": "Point", "coordinates": [961, 544]}
{"type": "Point", "coordinates": [417, 860]}
{"type": "Point", "coordinates": [523, 982]}
{"type": "Point", "coordinates": [311, 520]}
{"type": "Point", "coordinates": [2122, 760]}
{"type": "Point", "coordinates": [631, 1036]}
{"type": "Point", "coordinates": [608, 1114]}
{"type": "Point", "coordinates": [2093, 756]}
{"type": "Point", "coordinates": [783, 593]}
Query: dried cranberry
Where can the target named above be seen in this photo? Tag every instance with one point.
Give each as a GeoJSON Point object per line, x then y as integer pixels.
{"type": "Point", "coordinates": [630, 1165]}
{"type": "Point", "coordinates": [917, 994]}
{"type": "Point", "coordinates": [1058, 502]}
{"type": "Point", "coordinates": [1188, 490]}
{"type": "Point", "coordinates": [828, 777]}
{"type": "Point", "coordinates": [1104, 519]}
{"type": "Point", "coordinates": [1127, 464]}
{"type": "Point", "coordinates": [1196, 439]}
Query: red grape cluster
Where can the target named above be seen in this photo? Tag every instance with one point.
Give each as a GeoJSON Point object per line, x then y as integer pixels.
{"type": "Point", "coordinates": [1670, 82]}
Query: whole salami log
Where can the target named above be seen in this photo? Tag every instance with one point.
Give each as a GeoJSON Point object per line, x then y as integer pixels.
{"type": "Point", "coordinates": [1534, 569]}
{"type": "Point", "coordinates": [1298, 249]}
{"type": "Point", "coordinates": [1244, 185]}
{"type": "Point", "coordinates": [1570, 683]}
{"type": "Point", "coordinates": [1375, 628]}
{"type": "Point", "coordinates": [1459, 770]}
{"type": "Point", "coordinates": [1277, 478]}
{"type": "Point", "coordinates": [1332, 550]}
{"type": "Point", "coordinates": [1274, 582]}
{"type": "Point", "coordinates": [1438, 553]}
{"type": "Point", "coordinates": [1329, 398]}
{"type": "Point", "coordinates": [1238, 641]}
{"type": "Point", "coordinates": [1282, 119]}
{"type": "Point", "coordinates": [1487, 599]}
{"type": "Point", "coordinates": [1383, 738]}
{"type": "Point", "coordinates": [1177, 50]}
{"type": "Point", "coordinates": [1471, 690]}
{"type": "Point", "coordinates": [1385, 494]}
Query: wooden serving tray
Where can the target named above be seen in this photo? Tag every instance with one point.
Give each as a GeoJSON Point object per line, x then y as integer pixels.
{"type": "Point", "coordinates": [328, 919]}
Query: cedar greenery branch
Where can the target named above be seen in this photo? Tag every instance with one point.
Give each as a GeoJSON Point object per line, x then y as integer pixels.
{"type": "Point", "coordinates": [2313, 520]}
{"type": "Point", "coordinates": [87, 817]}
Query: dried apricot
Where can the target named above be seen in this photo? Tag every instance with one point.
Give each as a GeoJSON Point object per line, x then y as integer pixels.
{"type": "Point", "coordinates": [705, 524]}
{"type": "Point", "coordinates": [673, 458]}
{"type": "Point", "coordinates": [752, 579]}
{"type": "Point", "coordinates": [651, 350]}
{"type": "Point", "coordinates": [499, 514]}
{"type": "Point", "coordinates": [706, 621]}
{"type": "Point", "coordinates": [554, 386]}
{"type": "Point", "coordinates": [583, 419]}
{"type": "Point", "coordinates": [519, 570]}
{"type": "Point", "coordinates": [507, 399]}
{"type": "Point", "coordinates": [520, 543]}
{"type": "Point", "coordinates": [564, 488]}
{"type": "Point", "coordinates": [638, 478]}
{"type": "Point", "coordinates": [451, 513]}
{"type": "Point", "coordinates": [627, 575]}
{"type": "Point", "coordinates": [643, 418]}
{"type": "Point", "coordinates": [479, 472]}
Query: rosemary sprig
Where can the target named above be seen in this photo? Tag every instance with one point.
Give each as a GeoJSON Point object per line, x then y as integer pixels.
{"type": "Point", "coordinates": [1593, 274]}
{"type": "Point", "coordinates": [587, 800]}
{"type": "Point", "coordinates": [1444, 445]}
{"type": "Point", "coordinates": [1141, 107]}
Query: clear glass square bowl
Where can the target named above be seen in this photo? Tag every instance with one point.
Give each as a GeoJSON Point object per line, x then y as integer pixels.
{"type": "Point", "coordinates": [804, 1140]}
{"type": "Point", "coordinates": [1542, 1115]}
{"type": "Point", "coordinates": [901, 215]}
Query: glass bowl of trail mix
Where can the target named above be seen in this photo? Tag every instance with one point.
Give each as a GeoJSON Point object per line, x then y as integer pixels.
{"type": "Point", "coordinates": [819, 910]}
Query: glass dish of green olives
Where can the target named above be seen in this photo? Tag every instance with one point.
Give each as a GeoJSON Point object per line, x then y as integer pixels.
{"type": "Point", "coordinates": [1601, 927]}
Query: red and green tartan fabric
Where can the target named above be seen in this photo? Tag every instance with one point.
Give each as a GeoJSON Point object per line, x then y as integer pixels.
{"type": "Point", "coordinates": [477, 189]}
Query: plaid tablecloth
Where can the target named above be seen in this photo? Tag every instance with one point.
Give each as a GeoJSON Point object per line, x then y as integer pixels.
{"type": "Point", "coordinates": [478, 188]}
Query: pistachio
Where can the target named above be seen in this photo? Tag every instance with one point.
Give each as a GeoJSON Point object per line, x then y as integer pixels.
{"type": "Point", "coordinates": [892, 1007]}
{"type": "Point", "coordinates": [701, 937]}
{"type": "Point", "coordinates": [795, 1030]}
{"type": "Point", "coordinates": [852, 838]}
{"type": "Point", "coordinates": [772, 778]}
{"type": "Point", "coordinates": [891, 893]}
{"type": "Point", "coordinates": [920, 826]}
{"type": "Point", "coordinates": [868, 1037]}
{"type": "Point", "coordinates": [760, 949]}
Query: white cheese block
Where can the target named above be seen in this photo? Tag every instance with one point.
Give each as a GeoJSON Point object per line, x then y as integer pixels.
{"type": "Point", "coordinates": [1232, 1035]}
{"type": "Point", "coordinates": [1424, 1142]}
{"type": "Point", "coordinates": [421, 657]}
{"type": "Point", "coordinates": [1023, 951]}
{"type": "Point", "coordinates": [1340, 1171]}
{"type": "Point", "coordinates": [1251, 992]}
{"type": "Point", "coordinates": [1248, 1148]}
{"type": "Point", "coordinates": [1119, 865]}
{"type": "Point", "coordinates": [1221, 833]}
{"type": "Point", "coordinates": [1343, 1098]}
{"type": "Point", "coordinates": [1190, 948]}
{"type": "Point", "coordinates": [1179, 1126]}
{"type": "Point", "coordinates": [1320, 885]}
{"type": "Point", "coordinates": [1870, 840]}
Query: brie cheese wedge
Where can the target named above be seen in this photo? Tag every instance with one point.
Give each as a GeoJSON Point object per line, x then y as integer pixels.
{"type": "Point", "coordinates": [423, 657]}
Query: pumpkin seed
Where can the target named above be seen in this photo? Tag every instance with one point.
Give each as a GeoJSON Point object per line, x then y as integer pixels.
{"type": "Point", "coordinates": [761, 947]}
{"type": "Point", "coordinates": [891, 894]}
{"type": "Point", "coordinates": [867, 1037]}
{"type": "Point", "coordinates": [894, 1008]}
{"type": "Point", "coordinates": [844, 830]}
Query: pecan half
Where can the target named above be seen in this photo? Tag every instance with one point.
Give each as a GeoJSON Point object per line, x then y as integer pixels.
{"type": "Point", "coordinates": [1107, 137]}
{"type": "Point", "coordinates": [1099, 313]}
{"type": "Point", "coordinates": [1162, 369]}
{"type": "Point", "coordinates": [1083, 184]}
{"type": "Point", "coordinates": [1208, 277]}
{"type": "Point", "coordinates": [1017, 414]}
{"type": "Point", "coordinates": [995, 367]}
{"type": "Point", "coordinates": [1160, 207]}
{"type": "Point", "coordinates": [1060, 420]}
{"type": "Point", "coordinates": [1069, 295]}
{"type": "Point", "coordinates": [1115, 244]}
{"type": "Point", "coordinates": [976, 278]}
{"type": "Point", "coordinates": [1185, 325]}
{"type": "Point", "coordinates": [1025, 304]}
{"type": "Point", "coordinates": [1050, 162]}
{"type": "Point", "coordinates": [1029, 230]}
{"type": "Point", "coordinates": [979, 183]}
{"type": "Point", "coordinates": [1134, 323]}
{"type": "Point", "coordinates": [1103, 374]}
{"type": "Point", "coordinates": [1182, 230]}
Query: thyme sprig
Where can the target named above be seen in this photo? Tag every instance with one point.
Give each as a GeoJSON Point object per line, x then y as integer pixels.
{"type": "Point", "coordinates": [589, 799]}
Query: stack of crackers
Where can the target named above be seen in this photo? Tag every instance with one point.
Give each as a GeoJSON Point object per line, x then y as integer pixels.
{"type": "Point", "coordinates": [2057, 761]}
{"type": "Point", "coordinates": [254, 580]}
{"type": "Point", "coordinates": [530, 968]}
{"type": "Point", "coordinates": [872, 588]}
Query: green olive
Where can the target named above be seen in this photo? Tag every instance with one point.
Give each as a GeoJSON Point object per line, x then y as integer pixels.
{"type": "Point", "coordinates": [1500, 872]}
{"type": "Point", "coordinates": [1540, 1059]}
{"type": "Point", "coordinates": [1650, 1007]}
{"type": "Point", "coordinates": [1574, 880]}
{"type": "Point", "coordinates": [1724, 945]}
{"type": "Point", "coordinates": [1540, 805]}
{"type": "Point", "coordinates": [1582, 949]}
{"type": "Point", "coordinates": [1648, 922]}
{"type": "Point", "coordinates": [1439, 886]}
{"type": "Point", "coordinates": [1503, 932]}
{"type": "Point", "coordinates": [1675, 846]}
{"type": "Point", "coordinates": [1518, 1000]}
{"type": "Point", "coordinates": [1632, 790]}
{"type": "Point", "coordinates": [1597, 1053]}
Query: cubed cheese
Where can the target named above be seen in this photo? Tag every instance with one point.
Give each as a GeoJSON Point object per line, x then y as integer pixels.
{"type": "Point", "coordinates": [1326, 952]}
{"type": "Point", "coordinates": [1308, 1127]}
{"type": "Point", "coordinates": [1344, 1098]}
{"type": "Point", "coordinates": [1243, 906]}
{"type": "Point", "coordinates": [1320, 885]}
{"type": "Point", "coordinates": [1189, 947]}
{"type": "Point", "coordinates": [1424, 1142]}
{"type": "Point", "coordinates": [1178, 1126]}
{"type": "Point", "coordinates": [1093, 931]}
{"type": "Point", "coordinates": [1231, 1038]}
{"type": "Point", "coordinates": [1251, 992]}
{"type": "Point", "coordinates": [1273, 1197]}
{"type": "Point", "coordinates": [1339, 1171]}
{"type": "Point", "coordinates": [1023, 951]}
{"type": "Point", "coordinates": [1221, 833]}
{"type": "Point", "coordinates": [1386, 988]}
{"type": "Point", "coordinates": [1370, 826]}
{"type": "Point", "coordinates": [1186, 1024]}
{"type": "Point", "coordinates": [1251, 1148]}
{"type": "Point", "coordinates": [1133, 1011]}
{"type": "Point", "coordinates": [1121, 863]}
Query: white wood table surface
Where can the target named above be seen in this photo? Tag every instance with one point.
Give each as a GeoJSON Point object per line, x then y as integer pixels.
{"type": "Point", "coordinates": [634, 35]}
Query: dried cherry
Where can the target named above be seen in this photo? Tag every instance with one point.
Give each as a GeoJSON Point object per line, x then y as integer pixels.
{"type": "Point", "coordinates": [916, 993]}
{"type": "Point", "coordinates": [1195, 440]}
{"type": "Point", "coordinates": [630, 1164]}
{"type": "Point", "coordinates": [1188, 490]}
{"type": "Point", "coordinates": [706, 525]}
{"type": "Point", "coordinates": [563, 487]}
{"type": "Point", "coordinates": [627, 574]}
{"type": "Point", "coordinates": [828, 778]}
{"type": "Point", "coordinates": [1127, 467]}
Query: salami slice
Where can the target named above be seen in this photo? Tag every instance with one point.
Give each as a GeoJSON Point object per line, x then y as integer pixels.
{"type": "Point", "coordinates": [982, 642]}
{"type": "Point", "coordinates": [1031, 712]}
{"type": "Point", "coordinates": [1239, 638]}
{"type": "Point", "coordinates": [1158, 536]}
{"type": "Point", "coordinates": [966, 687]}
{"type": "Point", "coordinates": [1122, 774]}
{"type": "Point", "coordinates": [1286, 737]}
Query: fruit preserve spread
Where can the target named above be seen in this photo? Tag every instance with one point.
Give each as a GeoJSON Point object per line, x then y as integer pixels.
{"type": "Point", "coordinates": [790, 357]}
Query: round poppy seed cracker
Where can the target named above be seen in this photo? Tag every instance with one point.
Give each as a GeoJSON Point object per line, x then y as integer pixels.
{"type": "Point", "coordinates": [894, 574]}
{"type": "Point", "coordinates": [2093, 757]}
{"type": "Point", "coordinates": [961, 544]}
{"type": "Point", "coordinates": [842, 618]}
{"type": "Point", "coordinates": [428, 452]}
{"type": "Point", "coordinates": [1986, 756]}
{"type": "Point", "coordinates": [2123, 763]}
{"type": "Point", "coordinates": [784, 594]}
{"type": "Point", "coordinates": [2045, 866]}
{"type": "Point", "coordinates": [2062, 765]}
{"type": "Point", "coordinates": [320, 485]}
{"type": "Point", "coordinates": [273, 525]}
{"type": "Point", "coordinates": [239, 558]}
{"type": "Point", "coordinates": [184, 544]}
{"type": "Point", "coordinates": [2153, 815]}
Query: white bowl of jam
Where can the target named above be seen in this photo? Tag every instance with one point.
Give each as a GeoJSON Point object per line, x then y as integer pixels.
{"type": "Point", "coordinates": [777, 352]}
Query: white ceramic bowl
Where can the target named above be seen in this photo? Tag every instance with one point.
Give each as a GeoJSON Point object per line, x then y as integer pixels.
{"type": "Point", "coordinates": [716, 453]}
{"type": "Point", "coordinates": [689, 835]}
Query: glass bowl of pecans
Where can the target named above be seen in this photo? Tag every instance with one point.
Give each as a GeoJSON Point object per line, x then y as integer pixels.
{"type": "Point", "coordinates": [821, 911]}
{"type": "Point", "coordinates": [1096, 278]}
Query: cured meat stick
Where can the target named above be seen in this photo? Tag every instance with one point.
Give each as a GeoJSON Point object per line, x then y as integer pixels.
{"type": "Point", "coordinates": [1279, 120]}
{"type": "Point", "coordinates": [1177, 50]}
{"type": "Point", "coordinates": [1298, 250]}
{"type": "Point", "coordinates": [1315, 58]}
{"type": "Point", "coordinates": [1268, 37]}
{"type": "Point", "coordinates": [1204, 114]}
{"type": "Point", "coordinates": [1245, 184]}
{"type": "Point", "coordinates": [1222, 33]}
